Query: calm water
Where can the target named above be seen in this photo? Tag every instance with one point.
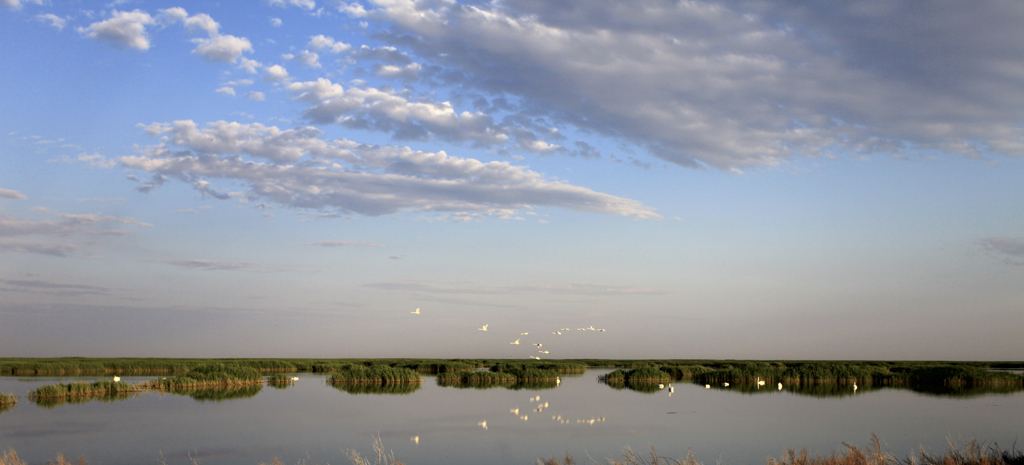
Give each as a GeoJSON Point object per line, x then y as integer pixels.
{"type": "Point", "coordinates": [315, 422]}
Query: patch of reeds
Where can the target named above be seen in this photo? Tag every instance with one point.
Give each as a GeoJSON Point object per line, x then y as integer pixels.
{"type": "Point", "coordinates": [280, 380]}
{"type": "Point", "coordinates": [84, 389]}
{"type": "Point", "coordinates": [8, 399]}
{"type": "Point", "coordinates": [208, 375]}
{"type": "Point", "coordinates": [220, 393]}
{"type": "Point", "coordinates": [373, 374]}
{"type": "Point", "coordinates": [475, 377]}
{"type": "Point", "coordinates": [9, 457]}
{"type": "Point", "coordinates": [557, 366]}
{"type": "Point", "coordinates": [972, 453]}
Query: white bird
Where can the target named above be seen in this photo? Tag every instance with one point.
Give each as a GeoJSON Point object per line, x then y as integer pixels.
{"type": "Point", "coordinates": [535, 399]}
{"type": "Point", "coordinates": [661, 386]}
{"type": "Point", "coordinates": [524, 334]}
{"type": "Point", "coordinates": [707, 386]}
{"type": "Point", "coordinates": [557, 332]}
{"type": "Point", "coordinates": [671, 389]}
{"type": "Point", "coordinates": [725, 384]}
{"type": "Point", "coordinates": [780, 386]}
{"type": "Point", "coordinates": [415, 439]}
{"type": "Point", "coordinates": [592, 328]}
{"type": "Point", "coordinates": [539, 345]}
{"type": "Point", "coordinates": [117, 378]}
{"type": "Point", "coordinates": [581, 329]}
{"type": "Point", "coordinates": [544, 352]}
{"type": "Point", "coordinates": [514, 410]}
{"type": "Point", "coordinates": [535, 357]}
{"type": "Point", "coordinates": [482, 424]}
{"type": "Point", "coordinates": [854, 386]}
{"type": "Point", "coordinates": [601, 330]}
{"type": "Point", "coordinates": [564, 329]}
{"type": "Point", "coordinates": [295, 378]}
{"type": "Point", "coordinates": [516, 342]}
{"type": "Point", "coordinates": [417, 312]}
{"type": "Point", "coordinates": [482, 329]}
{"type": "Point", "coordinates": [558, 381]}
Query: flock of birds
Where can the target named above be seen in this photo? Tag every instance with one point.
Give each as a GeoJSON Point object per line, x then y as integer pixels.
{"type": "Point", "coordinates": [539, 345]}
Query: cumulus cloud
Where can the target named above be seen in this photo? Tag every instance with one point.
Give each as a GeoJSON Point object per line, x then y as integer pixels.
{"type": "Point", "coordinates": [738, 84]}
{"type": "Point", "coordinates": [54, 20]}
{"type": "Point", "coordinates": [322, 42]}
{"type": "Point", "coordinates": [123, 29]}
{"type": "Point", "coordinates": [257, 96]}
{"type": "Point", "coordinates": [275, 22]}
{"type": "Point", "coordinates": [275, 73]}
{"type": "Point", "coordinates": [222, 48]}
{"type": "Point", "coordinates": [249, 65]}
{"type": "Point", "coordinates": [11, 194]}
{"type": "Point", "coordinates": [297, 168]}
{"type": "Point", "coordinates": [226, 91]}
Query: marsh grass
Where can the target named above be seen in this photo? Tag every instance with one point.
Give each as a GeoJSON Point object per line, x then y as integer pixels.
{"type": "Point", "coordinates": [10, 457]}
{"type": "Point", "coordinates": [475, 377]}
{"type": "Point", "coordinates": [280, 381]}
{"type": "Point", "coordinates": [378, 374]}
{"type": "Point", "coordinates": [8, 399]}
{"type": "Point", "coordinates": [378, 388]}
{"type": "Point", "coordinates": [971, 453]}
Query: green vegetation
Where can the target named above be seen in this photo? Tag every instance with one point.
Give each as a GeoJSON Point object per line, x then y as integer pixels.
{"type": "Point", "coordinates": [380, 374]}
{"type": "Point", "coordinates": [7, 402]}
{"type": "Point", "coordinates": [557, 367]}
{"type": "Point", "coordinates": [476, 377]}
{"type": "Point", "coordinates": [208, 375]}
{"type": "Point", "coordinates": [220, 393]}
{"type": "Point", "coordinates": [280, 380]}
{"type": "Point", "coordinates": [83, 389]}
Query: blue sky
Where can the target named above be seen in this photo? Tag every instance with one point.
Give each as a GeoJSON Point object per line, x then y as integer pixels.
{"type": "Point", "coordinates": [749, 179]}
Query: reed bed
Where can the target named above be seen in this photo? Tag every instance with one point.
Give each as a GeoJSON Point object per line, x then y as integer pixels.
{"type": "Point", "coordinates": [476, 377]}
{"type": "Point", "coordinates": [645, 375]}
{"type": "Point", "coordinates": [209, 375]}
{"type": "Point", "coordinates": [8, 399]}
{"type": "Point", "coordinates": [84, 389]}
{"type": "Point", "coordinates": [557, 367]}
{"type": "Point", "coordinates": [280, 380]}
{"type": "Point", "coordinates": [373, 374]}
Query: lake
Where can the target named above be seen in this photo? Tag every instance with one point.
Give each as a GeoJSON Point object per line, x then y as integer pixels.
{"type": "Point", "coordinates": [315, 422]}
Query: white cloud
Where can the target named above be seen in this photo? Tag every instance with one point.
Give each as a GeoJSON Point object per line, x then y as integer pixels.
{"type": "Point", "coordinates": [409, 72]}
{"type": "Point", "coordinates": [275, 73]}
{"type": "Point", "coordinates": [123, 29]}
{"type": "Point", "coordinates": [275, 22]}
{"type": "Point", "coordinates": [96, 160]}
{"type": "Point", "coordinates": [248, 65]}
{"type": "Point", "coordinates": [222, 48]}
{"type": "Point", "coordinates": [310, 59]}
{"type": "Point", "coordinates": [738, 84]}
{"type": "Point", "coordinates": [54, 20]}
{"type": "Point", "coordinates": [16, 4]}
{"type": "Point", "coordinates": [226, 91]}
{"type": "Point", "coordinates": [321, 42]}
{"type": "Point", "coordinates": [257, 96]}
{"type": "Point", "coordinates": [11, 194]}
{"type": "Point", "coordinates": [303, 171]}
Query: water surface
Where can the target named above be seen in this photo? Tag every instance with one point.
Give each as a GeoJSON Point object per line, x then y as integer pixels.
{"type": "Point", "coordinates": [316, 422]}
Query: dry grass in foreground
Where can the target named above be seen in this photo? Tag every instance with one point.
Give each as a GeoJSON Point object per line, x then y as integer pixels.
{"type": "Point", "coordinates": [972, 453]}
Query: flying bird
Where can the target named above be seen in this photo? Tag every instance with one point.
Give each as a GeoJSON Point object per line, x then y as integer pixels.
{"type": "Point", "coordinates": [117, 378]}
{"type": "Point", "coordinates": [415, 439]}
{"type": "Point", "coordinates": [546, 352]}
{"type": "Point", "coordinates": [482, 329]}
{"type": "Point", "coordinates": [557, 332]}
{"type": "Point", "coordinates": [592, 328]}
{"type": "Point", "coordinates": [539, 345]}
{"type": "Point", "coordinates": [564, 329]}
{"type": "Point", "coordinates": [417, 312]}
{"type": "Point", "coordinates": [482, 423]}
{"type": "Point", "coordinates": [516, 342]}
{"type": "Point", "coordinates": [524, 334]}
{"type": "Point", "coordinates": [601, 330]}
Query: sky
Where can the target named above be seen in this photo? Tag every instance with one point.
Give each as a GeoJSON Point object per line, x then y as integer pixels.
{"type": "Point", "coordinates": [701, 179]}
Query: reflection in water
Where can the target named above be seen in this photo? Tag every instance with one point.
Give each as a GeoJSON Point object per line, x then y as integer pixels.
{"type": "Point", "coordinates": [6, 407]}
{"type": "Point", "coordinates": [833, 390]}
{"type": "Point", "coordinates": [219, 394]}
{"type": "Point", "coordinates": [539, 385]}
{"type": "Point", "coordinates": [54, 402]}
{"type": "Point", "coordinates": [377, 388]}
